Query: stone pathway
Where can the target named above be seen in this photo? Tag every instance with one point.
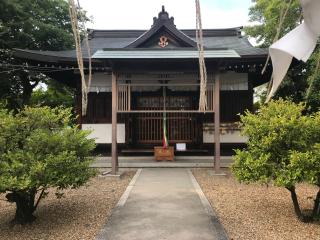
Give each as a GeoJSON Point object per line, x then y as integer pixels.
{"type": "Point", "coordinates": [163, 204]}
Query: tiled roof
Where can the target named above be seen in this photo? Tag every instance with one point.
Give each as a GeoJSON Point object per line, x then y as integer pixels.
{"type": "Point", "coordinates": [238, 43]}
{"type": "Point", "coordinates": [230, 39]}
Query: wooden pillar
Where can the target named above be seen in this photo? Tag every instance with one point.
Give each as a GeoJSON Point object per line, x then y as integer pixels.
{"type": "Point", "coordinates": [217, 123]}
{"type": "Point", "coordinates": [114, 151]}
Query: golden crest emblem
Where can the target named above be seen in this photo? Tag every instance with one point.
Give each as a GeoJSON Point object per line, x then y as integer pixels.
{"type": "Point", "coordinates": [163, 41]}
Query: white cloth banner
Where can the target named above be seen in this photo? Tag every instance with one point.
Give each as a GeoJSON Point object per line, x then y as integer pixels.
{"type": "Point", "coordinates": [299, 43]}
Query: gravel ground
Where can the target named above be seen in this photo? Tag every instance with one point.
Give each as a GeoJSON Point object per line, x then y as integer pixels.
{"type": "Point", "coordinates": [79, 215]}
{"type": "Point", "coordinates": [257, 212]}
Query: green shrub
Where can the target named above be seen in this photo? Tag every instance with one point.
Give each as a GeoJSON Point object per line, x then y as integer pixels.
{"type": "Point", "coordinates": [283, 149]}
{"type": "Point", "coordinates": [40, 149]}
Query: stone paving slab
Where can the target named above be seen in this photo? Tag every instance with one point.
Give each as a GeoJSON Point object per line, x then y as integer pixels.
{"type": "Point", "coordinates": [149, 162]}
{"type": "Point", "coordinates": [163, 204]}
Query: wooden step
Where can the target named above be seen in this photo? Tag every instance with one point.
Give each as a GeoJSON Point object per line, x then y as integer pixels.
{"type": "Point", "coordinates": [149, 150]}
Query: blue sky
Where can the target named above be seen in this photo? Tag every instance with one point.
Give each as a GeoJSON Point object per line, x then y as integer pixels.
{"type": "Point", "coordinates": [138, 14]}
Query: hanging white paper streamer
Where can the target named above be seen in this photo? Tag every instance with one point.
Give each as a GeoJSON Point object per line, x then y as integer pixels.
{"type": "Point", "coordinates": [299, 43]}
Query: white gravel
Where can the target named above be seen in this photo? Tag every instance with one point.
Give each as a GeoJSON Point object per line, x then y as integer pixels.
{"type": "Point", "coordinates": [79, 215]}
{"type": "Point", "coordinates": [258, 212]}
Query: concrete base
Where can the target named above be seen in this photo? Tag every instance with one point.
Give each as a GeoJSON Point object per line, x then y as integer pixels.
{"type": "Point", "coordinates": [216, 173]}
{"type": "Point", "coordinates": [148, 162]}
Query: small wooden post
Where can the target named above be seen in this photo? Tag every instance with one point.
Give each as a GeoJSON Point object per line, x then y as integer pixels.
{"type": "Point", "coordinates": [217, 123]}
{"type": "Point", "coordinates": [114, 153]}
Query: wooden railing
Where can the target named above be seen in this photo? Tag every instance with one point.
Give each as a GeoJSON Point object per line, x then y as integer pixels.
{"type": "Point", "coordinates": [124, 98]}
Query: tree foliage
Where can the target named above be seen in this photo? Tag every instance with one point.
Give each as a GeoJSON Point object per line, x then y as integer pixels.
{"type": "Point", "coordinates": [283, 149]}
{"type": "Point", "coordinates": [313, 93]}
{"type": "Point", "coordinates": [265, 14]}
{"type": "Point", "coordinates": [54, 94]}
{"type": "Point", "coordinates": [35, 25]}
{"type": "Point", "coordinates": [265, 17]}
{"type": "Point", "coordinates": [41, 149]}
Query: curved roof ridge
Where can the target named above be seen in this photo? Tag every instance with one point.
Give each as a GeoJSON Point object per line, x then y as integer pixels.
{"type": "Point", "coordinates": [166, 22]}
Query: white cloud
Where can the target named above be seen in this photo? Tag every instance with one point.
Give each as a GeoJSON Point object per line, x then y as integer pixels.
{"type": "Point", "coordinates": [138, 14]}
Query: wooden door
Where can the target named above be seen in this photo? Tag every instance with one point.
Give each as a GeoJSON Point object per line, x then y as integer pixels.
{"type": "Point", "coordinates": [147, 128]}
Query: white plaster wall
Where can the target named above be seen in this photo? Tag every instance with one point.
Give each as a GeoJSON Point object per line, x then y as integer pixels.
{"type": "Point", "coordinates": [102, 133]}
{"type": "Point", "coordinates": [233, 81]}
{"type": "Point", "coordinates": [230, 81]}
{"type": "Point", "coordinates": [101, 82]}
{"type": "Point", "coordinates": [230, 137]}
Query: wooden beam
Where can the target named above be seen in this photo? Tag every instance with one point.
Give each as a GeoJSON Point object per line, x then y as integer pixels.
{"type": "Point", "coordinates": [114, 153]}
{"type": "Point", "coordinates": [163, 84]}
{"type": "Point", "coordinates": [166, 111]}
{"type": "Point", "coordinates": [217, 123]}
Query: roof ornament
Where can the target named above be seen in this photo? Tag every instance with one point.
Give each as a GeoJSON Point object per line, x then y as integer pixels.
{"type": "Point", "coordinates": [162, 26]}
{"type": "Point", "coordinates": [163, 16]}
{"type": "Point", "coordinates": [163, 41]}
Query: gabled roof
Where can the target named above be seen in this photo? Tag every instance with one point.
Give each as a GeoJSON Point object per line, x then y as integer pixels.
{"type": "Point", "coordinates": [230, 38]}
{"type": "Point", "coordinates": [163, 24]}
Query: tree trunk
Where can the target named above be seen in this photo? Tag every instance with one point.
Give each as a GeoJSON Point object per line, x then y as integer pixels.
{"type": "Point", "coordinates": [27, 86]}
{"type": "Point", "coordinates": [316, 208]}
{"type": "Point", "coordinates": [27, 89]}
{"type": "Point", "coordinates": [296, 204]}
{"type": "Point", "coordinates": [24, 206]}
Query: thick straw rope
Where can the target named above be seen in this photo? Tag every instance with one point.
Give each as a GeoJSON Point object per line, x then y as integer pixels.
{"type": "Point", "coordinates": [202, 65]}
{"type": "Point", "coordinates": [86, 37]}
{"type": "Point", "coordinates": [76, 33]}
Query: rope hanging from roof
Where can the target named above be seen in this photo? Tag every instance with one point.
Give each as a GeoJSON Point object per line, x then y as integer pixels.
{"type": "Point", "coordinates": [85, 85]}
{"type": "Point", "coordinates": [202, 65]}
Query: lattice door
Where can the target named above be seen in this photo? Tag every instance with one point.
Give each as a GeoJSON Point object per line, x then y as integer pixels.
{"type": "Point", "coordinates": [182, 127]}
